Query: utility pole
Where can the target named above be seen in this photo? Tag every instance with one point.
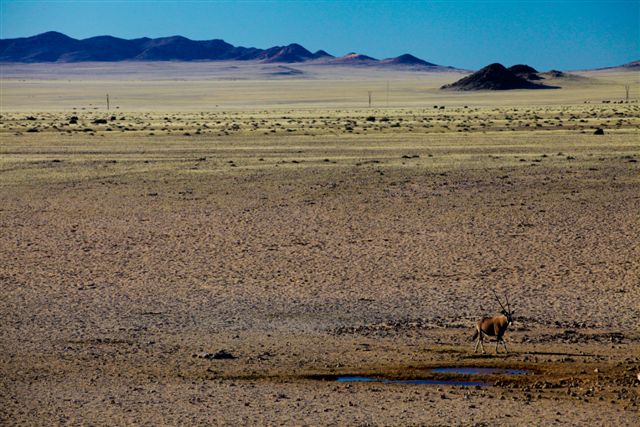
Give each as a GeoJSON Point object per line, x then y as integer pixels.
{"type": "Point", "coordinates": [107, 101]}
{"type": "Point", "coordinates": [387, 93]}
{"type": "Point", "coordinates": [626, 89]}
{"type": "Point", "coordinates": [369, 92]}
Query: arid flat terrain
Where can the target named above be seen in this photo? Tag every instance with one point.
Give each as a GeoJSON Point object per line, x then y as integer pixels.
{"type": "Point", "coordinates": [225, 263]}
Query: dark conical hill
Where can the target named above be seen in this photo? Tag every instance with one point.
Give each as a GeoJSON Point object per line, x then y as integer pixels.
{"type": "Point", "coordinates": [408, 59]}
{"type": "Point", "coordinates": [525, 71]}
{"type": "Point", "coordinates": [493, 77]}
{"type": "Point", "coordinates": [522, 69]}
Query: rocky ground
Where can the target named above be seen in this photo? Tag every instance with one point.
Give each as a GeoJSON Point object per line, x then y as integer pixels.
{"type": "Point", "coordinates": [228, 278]}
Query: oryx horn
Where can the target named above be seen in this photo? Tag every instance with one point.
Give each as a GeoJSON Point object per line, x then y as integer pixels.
{"type": "Point", "coordinates": [498, 299]}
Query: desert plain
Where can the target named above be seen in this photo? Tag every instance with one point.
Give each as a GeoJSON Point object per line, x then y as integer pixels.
{"type": "Point", "coordinates": [223, 243]}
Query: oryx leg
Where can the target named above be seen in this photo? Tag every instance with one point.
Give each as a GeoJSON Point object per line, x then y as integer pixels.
{"type": "Point", "coordinates": [479, 341]}
{"type": "Point", "coordinates": [505, 345]}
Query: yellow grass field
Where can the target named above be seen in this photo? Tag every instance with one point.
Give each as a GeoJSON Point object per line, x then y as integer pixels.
{"type": "Point", "coordinates": [282, 220]}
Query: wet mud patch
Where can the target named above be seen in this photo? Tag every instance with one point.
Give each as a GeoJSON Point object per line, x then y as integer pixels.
{"type": "Point", "coordinates": [459, 383]}
{"type": "Point", "coordinates": [462, 376]}
{"type": "Point", "coordinates": [478, 370]}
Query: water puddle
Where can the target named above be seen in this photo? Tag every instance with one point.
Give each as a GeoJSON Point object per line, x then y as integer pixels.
{"type": "Point", "coordinates": [456, 371]}
{"type": "Point", "coordinates": [478, 371]}
{"type": "Point", "coordinates": [347, 379]}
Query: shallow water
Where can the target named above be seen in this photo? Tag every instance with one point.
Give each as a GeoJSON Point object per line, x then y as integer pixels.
{"type": "Point", "coordinates": [478, 371]}
{"type": "Point", "coordinates": [418, 381]}
{"type": "Point", "coordinates": [467, 370]}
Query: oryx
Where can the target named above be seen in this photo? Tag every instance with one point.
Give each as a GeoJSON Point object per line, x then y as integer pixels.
{"type": "Point", "coordinates": [494, 326]}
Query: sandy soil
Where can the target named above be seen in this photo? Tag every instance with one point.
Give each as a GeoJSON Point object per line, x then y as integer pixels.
{"type": "Point", "coordinates": [126, 257]}
{"type": "Point", "coordinates": [224, 86]}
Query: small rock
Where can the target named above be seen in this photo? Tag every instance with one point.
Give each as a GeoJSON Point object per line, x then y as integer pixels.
{"type": "Point", "coordinates": [599, 131]}
{"type": "Point", "coordinates": [219, 355]}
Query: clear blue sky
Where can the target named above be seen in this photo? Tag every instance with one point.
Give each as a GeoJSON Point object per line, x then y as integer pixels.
{"type": "Point", "coordinates": [468, 34]}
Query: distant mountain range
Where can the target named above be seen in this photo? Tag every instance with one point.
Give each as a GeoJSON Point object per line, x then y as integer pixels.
{"type": "Point", "coordinates": [632, 66]}
{"type": "Point", "coordinates": [57, 47]}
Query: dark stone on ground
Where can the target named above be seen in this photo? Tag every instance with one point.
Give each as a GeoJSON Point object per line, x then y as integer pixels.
{"type": "Point", "coordinates": [219, 355]}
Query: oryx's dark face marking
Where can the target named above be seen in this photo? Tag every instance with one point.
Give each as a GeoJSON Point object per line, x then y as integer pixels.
{"type": "Point", "coordinates": [508, 315]}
